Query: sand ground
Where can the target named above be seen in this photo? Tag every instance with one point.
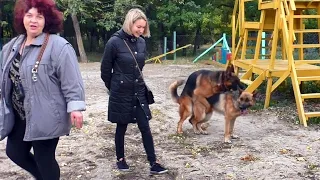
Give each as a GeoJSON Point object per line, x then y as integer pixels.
{"type": "Point", "coordinates": [269, 147]}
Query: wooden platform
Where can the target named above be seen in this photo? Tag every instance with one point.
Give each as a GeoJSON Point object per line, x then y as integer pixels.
{"type": "Point", "coordinates": [280, 66]}
{"type": "Point", "coordinates": [286, 20]}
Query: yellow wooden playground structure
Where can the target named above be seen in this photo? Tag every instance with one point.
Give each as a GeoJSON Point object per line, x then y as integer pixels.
{"type": "Point", "coordinates": [284, 20]}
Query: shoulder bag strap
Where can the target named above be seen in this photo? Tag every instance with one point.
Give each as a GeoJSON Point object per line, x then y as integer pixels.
{"type": "Point", "coordinates": [36, 66]}
{"type": "Point", "coordinates": [134, 58]}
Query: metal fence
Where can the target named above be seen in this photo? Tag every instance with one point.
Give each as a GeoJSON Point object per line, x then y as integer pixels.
{"type": "Point", "coordinates": [155, 45]}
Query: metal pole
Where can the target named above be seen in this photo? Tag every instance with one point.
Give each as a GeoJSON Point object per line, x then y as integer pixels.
{"type": "Point", "coordinates": [205, 52]}
{"type": "Point", "coordinates": [225, 43]}
{"type": "Point", "coordinates": [263, 45]}
{"type": "Point", "coordinates": [165, 47]}
{"type": "Point", "coordinates": [174, 45]}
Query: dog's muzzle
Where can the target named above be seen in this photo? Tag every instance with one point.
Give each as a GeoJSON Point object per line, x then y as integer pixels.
{"type": "Point", "coordinates": [243, 107]}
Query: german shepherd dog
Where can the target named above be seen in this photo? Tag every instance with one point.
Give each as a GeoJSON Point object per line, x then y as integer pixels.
{"type": "Point", "coordinates": [230, 104]}
{"type": "Point", "coordinates": [209, 83]}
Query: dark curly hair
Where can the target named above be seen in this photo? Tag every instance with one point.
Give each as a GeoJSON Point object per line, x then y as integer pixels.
{"type": "Point", "coordinates": [53, 17]}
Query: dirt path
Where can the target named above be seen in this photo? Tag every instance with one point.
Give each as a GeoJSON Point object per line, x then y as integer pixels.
{"type": "Point", "coordinates": [269, 148]}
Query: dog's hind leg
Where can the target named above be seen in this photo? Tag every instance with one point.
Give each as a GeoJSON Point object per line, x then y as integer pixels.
{"type": "Point", "coordinates": [194, 124]}
{"type": "Point", "coordinates": [182, 119]}
{"type": "Point", "coordinates": [185, 112]}
{"type": "Point", "coordinates": [205, 126]}
{"type": "Point", "coordinates": [202, 126]}
{"type": "Point", "coordinates": [199, 115]}
{"type": "Point", "coordinates": [199, 128]}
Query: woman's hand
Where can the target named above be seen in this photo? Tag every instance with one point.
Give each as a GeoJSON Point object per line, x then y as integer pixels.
{"type": "Point", "coordinates": [76, 119]}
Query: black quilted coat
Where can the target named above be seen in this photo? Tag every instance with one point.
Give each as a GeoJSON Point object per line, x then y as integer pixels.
{"type": "Point", "coordinates": [122, 77]}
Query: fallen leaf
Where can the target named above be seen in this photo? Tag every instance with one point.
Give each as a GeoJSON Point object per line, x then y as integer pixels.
{"type": "Point", "coordinates": [64, 164]}
{"type": "Point", "coordinates": [187, 165]}
{"type": "Point", "coordinates": [230, 176]}
{"type": "Point", "coordinates": [248, 157]}
{"type": "Point", "coordinates": [301, 159]}
{"type": "Point", "coordinates": [284, 151]}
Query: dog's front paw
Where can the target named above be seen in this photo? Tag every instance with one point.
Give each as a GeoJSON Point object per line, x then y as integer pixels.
{"type": "Point", "coordinates": [205, 126]}
{"type": "Point", "coordinates": [179, 131]}
{"type": "Point", "coordinates": [227, 141]}
{"type": "Point", "coordinates": [196, 131]}
{"type": "Point", "coordinates": [204, 132]}
{"type": "Point", "coordinates": [235, 137]}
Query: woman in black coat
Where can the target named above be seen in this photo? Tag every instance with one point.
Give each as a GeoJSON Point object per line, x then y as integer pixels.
{"type": "Point", "coordinates": [121, 75]}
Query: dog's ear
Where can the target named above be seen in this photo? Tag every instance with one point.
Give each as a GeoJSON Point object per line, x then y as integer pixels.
{"type": "Point", "coordinates": [198, 81]}
{"type": "Point", "coordinates": [254, 93]}
{"type": "Point", "coordinates": [222, 79]}
{"type": "Point", "coordinates": [240, 85]}
{"type": "Point", "coordinates": [240, 91]}
{"type": "Point", "coordinates": [221, 82]}
{"type": "Point", "coordinates": [230, 69]}
{"type": "Point", "coordinates": [229, 73]}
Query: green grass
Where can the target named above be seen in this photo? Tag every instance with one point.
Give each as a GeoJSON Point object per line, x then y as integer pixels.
{"type": "Point", "coordinates": [314, 120]}
{"type": "Point", "coordinates": [94, 57]}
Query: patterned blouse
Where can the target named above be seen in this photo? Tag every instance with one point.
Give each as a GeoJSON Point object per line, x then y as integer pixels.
{"type": "Point", "coordinates": [17, 89]}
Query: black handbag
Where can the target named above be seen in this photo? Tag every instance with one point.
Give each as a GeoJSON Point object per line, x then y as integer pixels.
{"type": "Point", "coordinates": [148, 92]}
{"type": "Point", "coordinates": [149, 95]}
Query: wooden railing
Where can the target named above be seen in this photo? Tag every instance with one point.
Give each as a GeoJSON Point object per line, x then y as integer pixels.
{"type": "Point", "coordinates": [287, 8]}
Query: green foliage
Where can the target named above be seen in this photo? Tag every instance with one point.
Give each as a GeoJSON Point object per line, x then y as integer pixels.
{"type": "Point", "coordinates": [310, 23]}
{"type": "Point", "coordinates": [6, 20]}
{"type": "Point", "coordinates": [212, 17]}
{"type": "Point", "coordinates": [251, 12]}
{"type": "Point", "coordinates": [258, 105]}
{"type": "Point", "coordinates": [84, 9]}
{"type": "Point", "coordinates": [314, 120]}
{"type": "Point", "coordinates": [168, 15]}
{"type": "Point", "coordinates": [3, 23]}
{"type": "Point", "coordinates": [114, 13]}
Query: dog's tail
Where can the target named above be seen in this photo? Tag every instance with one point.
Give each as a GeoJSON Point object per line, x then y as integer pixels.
{"type": "Point", "coordinates": [173, 90]}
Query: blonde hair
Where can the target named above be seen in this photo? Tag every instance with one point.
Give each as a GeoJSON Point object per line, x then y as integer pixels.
{"type": "Point", "coordinates": [132, 16]}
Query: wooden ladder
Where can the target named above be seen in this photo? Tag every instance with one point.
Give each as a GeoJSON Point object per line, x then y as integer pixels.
{"type": "Point", "coordinates": [296, 79]}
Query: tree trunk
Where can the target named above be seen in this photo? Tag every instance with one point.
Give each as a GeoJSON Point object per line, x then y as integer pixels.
{"type": "Point", "coordinates": [91, 40]}
{"type": "Point", "coordinates": [161, 40]}
{"type": "Point", "coordinates": [196, 40]}
{"type": "Point", "coordinates": [82, 52]}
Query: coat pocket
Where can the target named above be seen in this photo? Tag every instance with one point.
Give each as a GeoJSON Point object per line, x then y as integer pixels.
{"type": "Point", "coordinates": [45, 117]}
{"type": "Point", "coordinates": [6, 122]}
{"type": "Point", "coordinates": [121, 83]}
